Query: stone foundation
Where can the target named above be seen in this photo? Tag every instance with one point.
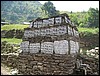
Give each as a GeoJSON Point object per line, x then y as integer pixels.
{"type": "Point", "coordinates": [41, 64]}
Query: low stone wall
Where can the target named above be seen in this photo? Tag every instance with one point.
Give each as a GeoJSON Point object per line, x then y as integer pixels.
{"type": "Point", "coordinates": [12, 33]}
{"type": "Point", "coordinates": [19, 34]}
{"type": "Point", "coordinates": [3, 32]}
{"type": "Point", "coordinates": [10, 60]}
{"type": "Point", "coordinates": [91, 61]}
{"type": "Point", "coordinates": [89, 42]}
{"type": "Point", "coordinates": [41, 64]}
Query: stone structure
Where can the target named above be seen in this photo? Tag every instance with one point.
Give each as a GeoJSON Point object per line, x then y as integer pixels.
{"type": "Point", "coordinates": [40, 64]}
{"type": "Point", "coordinates": [54, 35]}
{"type": "Point", "coordinates": [47, 64]}
{"type": "Point", "coordinates": [14, 33]}
{"type": "Point", "coordinates": [49, 46]}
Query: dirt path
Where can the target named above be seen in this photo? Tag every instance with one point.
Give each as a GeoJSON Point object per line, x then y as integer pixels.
{"type": "Point", "coordinates": [4, 71]}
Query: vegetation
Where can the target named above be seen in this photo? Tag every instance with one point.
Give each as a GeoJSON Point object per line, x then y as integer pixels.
{"type": "Point", "coordinates": [14, 26]}
{"type": "Point", "coordinates": [89, 38]}
{"type": "Point", "coordinates": [93, 17]}
{"type": "Point", "coordinates": [91, 30]}
{"type": "Point", "coordinates": [21, 27]}
{"type": "Point", "coordinates": [20, 11]}
{"type": "Point", "coordinates": [87, 19]}
{"type": "Point", "coordinates": [12, 40]}
{"type": "Point", "coordinates": [9, 48]}
{"type": "Point", "coordinates": [17, 12]}
{"type": "Point", "coordinates": [50, 9]}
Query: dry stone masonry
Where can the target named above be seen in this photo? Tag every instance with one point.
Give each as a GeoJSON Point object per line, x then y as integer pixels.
{"type": "Point", "coordinates": [40, 64]}
{"type": "Point", "coordinates": [49, 47]}
{"type": "Point", "coordinates": [14, 33]}
{"type": "Point", "coordinates": [54, 35]}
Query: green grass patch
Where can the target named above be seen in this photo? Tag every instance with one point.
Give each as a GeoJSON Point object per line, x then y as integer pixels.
{"type": "Point", "coordinates": [14, 26]}
{"type": "Point", "coordinates": [90, 30]}
{"type": "Point", "coordinates": [12, 40]}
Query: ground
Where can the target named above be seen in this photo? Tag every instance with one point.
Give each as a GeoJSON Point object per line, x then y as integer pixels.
{"type": "Point", "coordinates": [5, 70]}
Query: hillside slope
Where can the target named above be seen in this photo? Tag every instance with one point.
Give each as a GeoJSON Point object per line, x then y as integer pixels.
{"type": "Point", "coordinates": [19, 11]}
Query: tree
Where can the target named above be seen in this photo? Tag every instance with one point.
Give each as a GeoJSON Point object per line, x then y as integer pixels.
{"type": "Point", "coordinates": [82, 21]}
{"type": "Point", "coordinates": [74, 18]}
{"type": "Point", "coordinates": [49, 9]}
{"type": "Point", "coordinates": [3, 19]}
{"type": "Point", "coordinates": [19, 11]}
{"type": "Point", "coordinates": [93, 17]}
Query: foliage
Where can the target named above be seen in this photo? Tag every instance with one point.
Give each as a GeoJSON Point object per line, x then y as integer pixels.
{"type": "Point", "coordinates": [88, 18]}
{"type": "Point", "coordinates": [50, 9]}
{"type": "Point", "coordinates": [20, 11]}
{"type": "Point", "coordinates": [19, 26]}
{"type": "Point", "coordinates": [14, 26]}
{"type": "Point", "coordinates": [89, 37]}
{"type": "Point", "coordinates": [93, 17]}
{"type": "Point", "coordinates": [3, 20]}
{"type": "Point", "coordinates": [12, 40]}
{"type": "Point", "coordinates": [91, 30]}
{"type": "Point", "coordinates": [8, 48]}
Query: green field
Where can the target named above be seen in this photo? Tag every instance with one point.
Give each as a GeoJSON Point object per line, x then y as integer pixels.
{"type": "Point", "coordinates": [19, 26]}
{"type": "Point", "coordinates": [12, 40]}
{"type": "Point", "coordinates": [14, 26]}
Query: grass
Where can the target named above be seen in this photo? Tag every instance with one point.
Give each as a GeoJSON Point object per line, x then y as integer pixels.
{"type": "Point", "coordinates": [14, 26]}
{"type": "Point", "coordinates": [12, 40]}
{"type": "Point", "coordinates": [91, 30]}
{"type": "Point", "coordinates": [20, 26]}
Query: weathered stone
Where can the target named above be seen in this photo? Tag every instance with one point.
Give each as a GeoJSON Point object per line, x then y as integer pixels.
{"type": "Point", "coordinates": [40, 67]}
{"type": "Point", "coordinates": [57, 61]}
{"type": "Point", "coordinates": [38, 58]}
{"type": "Point", "coordinates": [33, 62]}
{"type": "Point", "coordinates": [42, 64]}
{"type": "Point", "coordinates": [39, 63]}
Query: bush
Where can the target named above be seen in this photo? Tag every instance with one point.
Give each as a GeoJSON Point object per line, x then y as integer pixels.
{"type": "Point", "coordinates": [8, 48]}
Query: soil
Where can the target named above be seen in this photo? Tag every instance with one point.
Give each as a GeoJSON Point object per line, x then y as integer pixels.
{"type": "Point", "coordinates": [4, 71]}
